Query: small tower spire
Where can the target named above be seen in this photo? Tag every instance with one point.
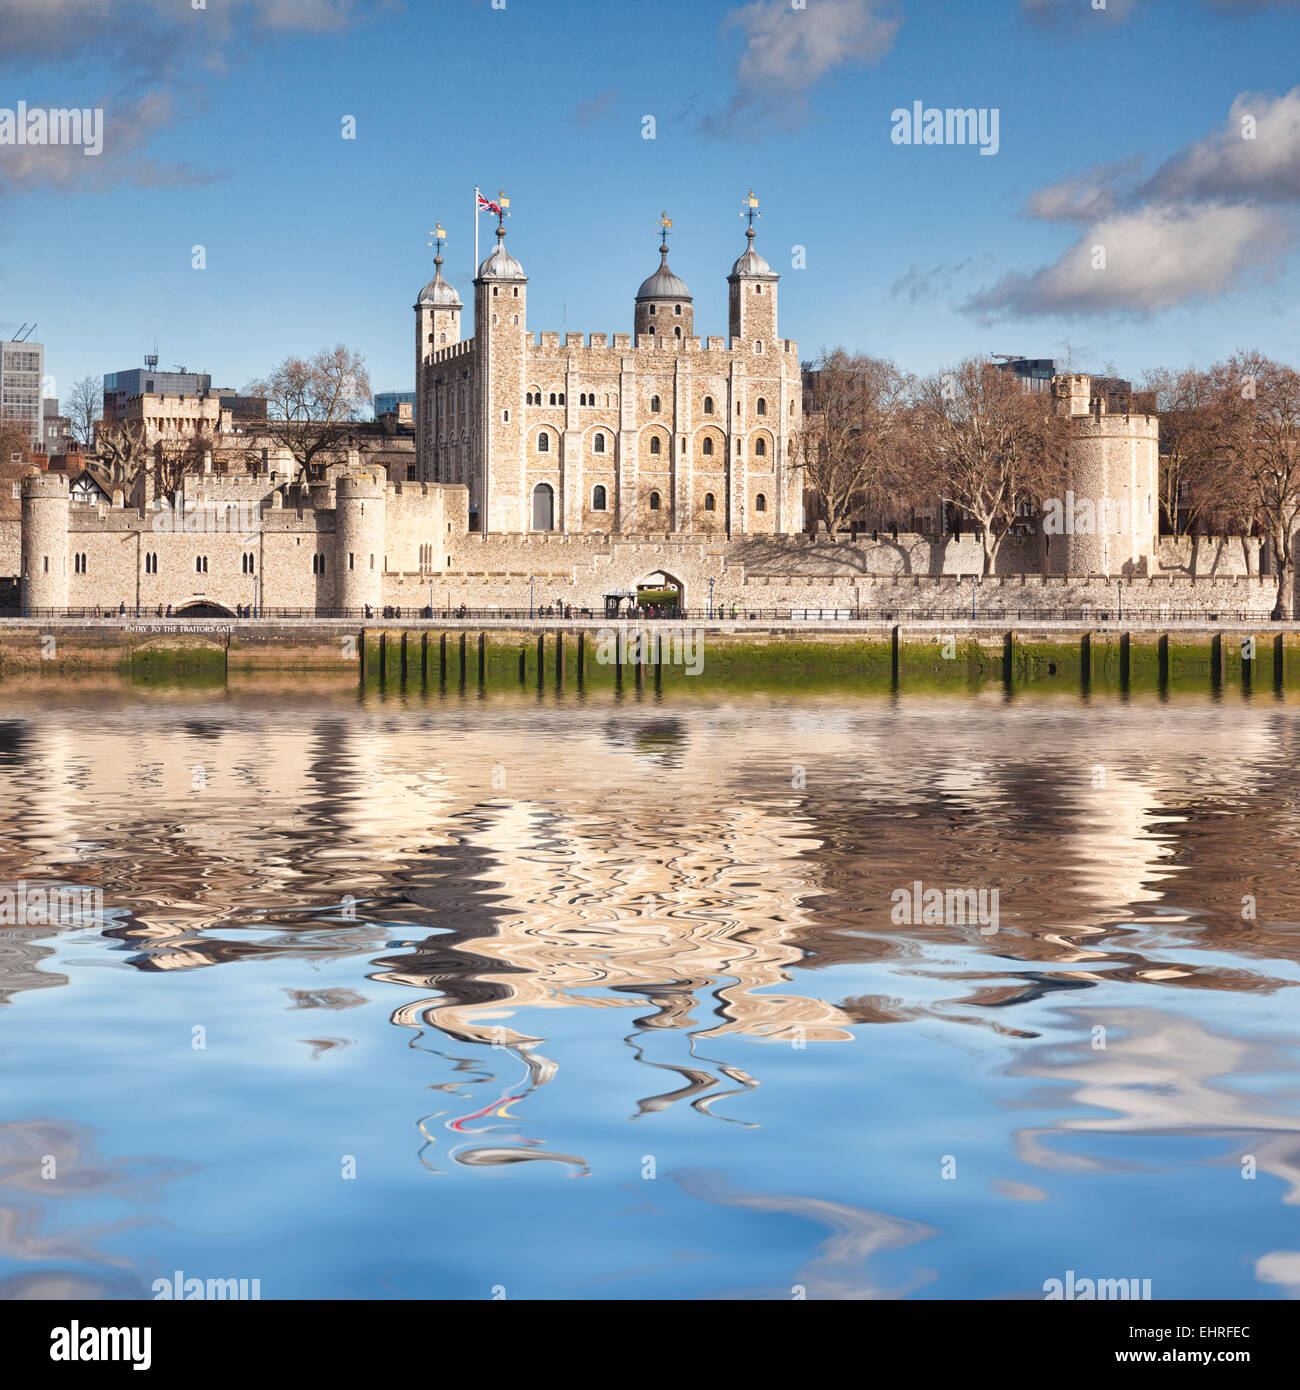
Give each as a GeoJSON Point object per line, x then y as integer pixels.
{"type": "Point", "coordinates": [439, 236]}
{"type": "Point", "coordinates": [665, 225]}
{"type": "Point", "coordinates": [749, 209]}
{"type": "Point", "coordinates": [503, 211]}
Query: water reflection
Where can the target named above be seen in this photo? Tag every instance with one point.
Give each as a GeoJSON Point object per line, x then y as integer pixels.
{"type": "Point", "coordinates": [702, 894]}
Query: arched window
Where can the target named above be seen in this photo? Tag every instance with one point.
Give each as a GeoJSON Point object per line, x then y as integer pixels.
{"type": "Point", "coordinates": [654, 404]}
{"type": "Point", "coordinates": [707, 449]}
{"type": "Point", "coordinates": [598, 498]}
{"type": "Point", "coordinates": [553, 401]}
{"type": "Point", "coordinates": [598, 445]}
{"type": "Point", "coordinates": [760, 503]}
{"type": "Point", "coordinates": [709, 504]}
{"type": "Point", "coordinates": [654, 501]}
{"type": "Point", "coordinates": [543, 443]}
{"type": "Point", "coordinates": [677, 309]}
{"type": "Point", "coordinates": [543, 507]}
{"type": "Point", "coordinates": [760, 447]}
{"type": "Point", "coordinates": [442, 337]}
{"type": "Point", "coordinates": [758, 289]}
{"type": "Point", "coordinates": [708, 405]}
{"type": "Point", "coordinates": [652, 308]}
{"type": "Point", "coordinates": [677, 332]}
{"type": "Point", "coordinates": [561, 397]}
{"type": "Point", "coordinates": [762, 406]}
{"type": "Point", "coordinates": [654, 444]}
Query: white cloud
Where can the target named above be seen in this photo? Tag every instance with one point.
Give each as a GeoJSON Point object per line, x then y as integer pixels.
{"type": "Point", "coordinates": [787, 50]}
{"type": "Point", "coordinates": [147, 35]}
{"type": "Point", "coordinates": [1203, 224]}
{"type": "Point", "coordinates": [1155, 257]}
{"type": "Point", "coordinates": [127, 129]}
{"type": "Point", "coordinates": [1280, 1267]}
{"type": "Point", "coordinates": [1264, 168]}
{"type": "Point", "coordinates": [1090, 196]}
{"type": "Point", "coordinates": [142, 50]}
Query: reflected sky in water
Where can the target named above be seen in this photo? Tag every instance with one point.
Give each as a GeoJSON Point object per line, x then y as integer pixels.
{"type": "Point", "coordinates": [602, 998]}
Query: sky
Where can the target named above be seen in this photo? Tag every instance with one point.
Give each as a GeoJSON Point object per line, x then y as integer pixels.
{"type": "Point", "coordinates": [1162, 134]}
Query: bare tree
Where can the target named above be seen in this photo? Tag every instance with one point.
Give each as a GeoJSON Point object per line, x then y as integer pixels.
{"type": "Point", "coordinates": [1186, 402]}
{"type": "Point", "coordinates": [83, 407]}
{"type": "Point", "coordinates": [1257, 426]}
{"type": "Point", "coordinates": [981, 441]}
{"type": "Point", "coordinates": [15, 442]}
{"type": "Point", "coordinates": [312, 402]}
{"type": "Point", "coordinates": [847, 447]}
{"type": "Point", "coordinates": [123, 451]}
{"type": "Point", "coordinates": [173, 460]}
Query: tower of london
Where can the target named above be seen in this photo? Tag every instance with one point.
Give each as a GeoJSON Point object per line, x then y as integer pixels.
{"type": "Point", "coordinates": [654, 431]}
{"type": "Point", "coordinates": [566, 473]}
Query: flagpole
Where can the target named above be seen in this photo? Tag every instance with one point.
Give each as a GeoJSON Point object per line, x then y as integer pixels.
{"type": "Point", "coordinates": [476, 229]}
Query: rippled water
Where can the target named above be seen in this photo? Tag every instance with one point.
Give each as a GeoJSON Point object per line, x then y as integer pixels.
{"type": "Point", "coordinates": [451, 996]}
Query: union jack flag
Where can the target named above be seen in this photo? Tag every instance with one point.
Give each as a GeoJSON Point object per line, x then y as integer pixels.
{"type": "Point", "coordinates": [487, 205]}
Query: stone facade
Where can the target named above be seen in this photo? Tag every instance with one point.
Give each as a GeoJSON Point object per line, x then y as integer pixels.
{"type": "Point", "coordinates": [556, 473]}
{"type": "Point", "coordinates": [1114, 480]}
{"type": "Point", "coordinates": [358, 541]}
{"type": "Point", "coordinates": [653, 432]}
{"type": "Point", "coordinates": [236, 540]}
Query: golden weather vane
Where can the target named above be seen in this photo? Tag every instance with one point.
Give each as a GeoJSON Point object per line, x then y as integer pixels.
{"type": "Point", "coordinates": [749, 208]}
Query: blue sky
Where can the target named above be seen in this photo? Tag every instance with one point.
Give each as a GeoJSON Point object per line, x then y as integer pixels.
{"type": "Point", "coordinates": [223, 129]}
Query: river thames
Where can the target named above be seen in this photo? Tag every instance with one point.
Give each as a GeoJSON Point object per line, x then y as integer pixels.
{"type": "Point", "coordinates": [462, 996]}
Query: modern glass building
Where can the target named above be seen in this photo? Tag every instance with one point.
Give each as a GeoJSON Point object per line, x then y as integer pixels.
{"type": "Point", "coordinates": [386, 402]}
{"type": "Point", "coordinates": [22, 370]}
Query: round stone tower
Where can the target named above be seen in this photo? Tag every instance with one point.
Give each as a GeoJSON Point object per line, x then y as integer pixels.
{"type": "Point", "coordinates": [359, 541]}
{"type": "Point", "coordinates": [1107, 523]}
{"type": "Point", "coordinates": [663, 303]}
{"type": "Point", "coordinates": [45, 540]}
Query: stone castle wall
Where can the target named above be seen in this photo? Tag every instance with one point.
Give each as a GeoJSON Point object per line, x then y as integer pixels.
{"type": "Point", "coordinates": [363, 542]}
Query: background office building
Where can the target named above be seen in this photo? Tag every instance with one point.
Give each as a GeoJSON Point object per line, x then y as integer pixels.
{"type": "Point", "coordinates": [399, 403]}
{"type": "Point", "coordinates": [22, 369]}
